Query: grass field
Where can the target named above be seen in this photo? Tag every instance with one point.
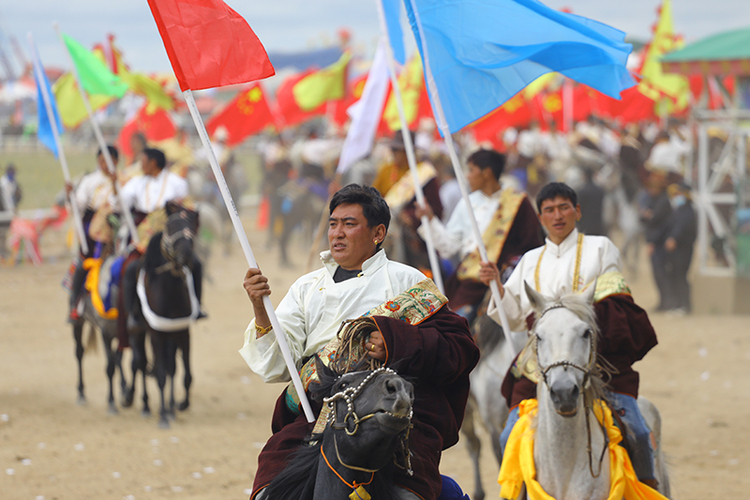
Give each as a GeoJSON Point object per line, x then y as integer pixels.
{"type": "Point", "coordinates": [41, 178]}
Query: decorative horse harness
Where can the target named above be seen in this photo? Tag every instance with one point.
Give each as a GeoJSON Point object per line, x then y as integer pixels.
{"type": "Point", "coordinates": [350, 425]}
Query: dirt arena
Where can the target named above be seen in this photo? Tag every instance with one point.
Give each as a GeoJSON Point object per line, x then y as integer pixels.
{"type": "Point", "coordinates": [52, 448]}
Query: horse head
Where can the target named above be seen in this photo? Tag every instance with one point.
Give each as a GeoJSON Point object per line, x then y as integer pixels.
{"type": "Point", "coordinates": [179, 234]}
{"type": "Point", "coordinates": [370, 414]}
{"type": "Point", "coordinates": [564, 339]}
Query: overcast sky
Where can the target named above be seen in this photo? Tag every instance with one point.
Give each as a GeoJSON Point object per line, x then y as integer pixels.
{"type": "Point", "coordinates": [292, 25]}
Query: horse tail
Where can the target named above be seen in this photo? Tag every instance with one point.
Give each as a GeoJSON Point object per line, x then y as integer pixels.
{"type": "Point", "coordinates": [91, 343]}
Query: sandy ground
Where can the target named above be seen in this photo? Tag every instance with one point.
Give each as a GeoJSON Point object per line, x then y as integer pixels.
{"type": "Point", "coordinates": [52, 448]}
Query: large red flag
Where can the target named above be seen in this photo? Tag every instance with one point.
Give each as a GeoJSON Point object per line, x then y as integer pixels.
{"type": "Point", "coordinates": [209, 44]}
{"type": "Point", "coordinates": [247, 114]}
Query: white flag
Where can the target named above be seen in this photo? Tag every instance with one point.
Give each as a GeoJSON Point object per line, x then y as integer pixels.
{"type": "Point", "coordinates": [366, 113]}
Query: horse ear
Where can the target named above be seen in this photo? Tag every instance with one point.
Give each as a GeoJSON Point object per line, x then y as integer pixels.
{"type": "Point", "coordinates": [535, 298]}
{"type": "Point", "coordinates": [588, 293]}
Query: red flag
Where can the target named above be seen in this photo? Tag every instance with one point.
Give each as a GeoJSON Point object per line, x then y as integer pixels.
{"type": "Point", "coordinates": [287, 106]}
{"type": "Point", "coordinates": [209, 44]}
{"type": "Point", "coordinates": [155, 126]}
{"type": "Point", "coordinates": [247, 114]}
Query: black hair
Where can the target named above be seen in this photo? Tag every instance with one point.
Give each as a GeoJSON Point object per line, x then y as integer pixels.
{"type": "Point", "coordinates": [157, 155]}
{"type": "Point", "coordinates": [374, 207]}
{"type": "Point", "coordinates": [488, 158]}
{"type": "Point", "coordinates": [554, 190]}
{"type": "Point", "coordinates": [113, 152]}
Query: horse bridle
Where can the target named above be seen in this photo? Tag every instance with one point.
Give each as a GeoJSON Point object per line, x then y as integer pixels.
{"type": "Point", "coordinates": [167, 249]}
{"type": "Point", "coordinates": [349, 395]}
{"type": "Point", "coordinates": [587, 404]}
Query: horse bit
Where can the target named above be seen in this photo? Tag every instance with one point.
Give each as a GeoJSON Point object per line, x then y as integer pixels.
{"type": "Point", "coordinates": [586, 376]}
{"type": "Point", "coordinates": [167, 249]}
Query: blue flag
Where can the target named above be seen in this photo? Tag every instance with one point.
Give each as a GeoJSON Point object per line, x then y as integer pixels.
{"type": "Point", "coordinates": [391, 9]}
{"type": "Point", "coordinates": [482, 52]}
{"type": "Point", "coordinates": [44, 131]}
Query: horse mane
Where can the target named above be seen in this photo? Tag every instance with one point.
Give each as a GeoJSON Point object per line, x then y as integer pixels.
{"type": "Point", "coordinates": [602, 370]}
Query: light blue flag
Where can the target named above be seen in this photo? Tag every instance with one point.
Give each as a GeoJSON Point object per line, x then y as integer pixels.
{"type": "Point", "coordinates": [391, 9]}
{"type": "Point", "coordinates": [44, 131]}
{"type": "Point", "coordinates": [482, 52]}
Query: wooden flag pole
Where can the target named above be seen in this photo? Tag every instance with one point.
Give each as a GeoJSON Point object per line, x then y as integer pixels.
{"type": "Point", "coordinates": [445, 129]}
{"type": "Point", "coordinates": [102, 143]}
{"type": "Point", "coordinates": [240, 231]}
{"type": "Point", "coordinates": [78, 221]}
{"type": "Point", "coordinates": [410, 156]}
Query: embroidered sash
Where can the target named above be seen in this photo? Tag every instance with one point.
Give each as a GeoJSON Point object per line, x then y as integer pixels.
{"type": "Point", "coordinates": [495, 234]}
{"type": "Point", "coordinates": [403, 191]}
{"type": "Point", "coordinates": [413, 306]}
{"type": "Point", "coordinates": [518, 460]}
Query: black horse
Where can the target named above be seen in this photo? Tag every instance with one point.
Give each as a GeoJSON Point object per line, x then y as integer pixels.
{"type": "Point", "coordinates": [108, 329]}
{"type": "Point", "coordinates": [365, 439]}
{"type": "Point", "coordinates": [169, 289]}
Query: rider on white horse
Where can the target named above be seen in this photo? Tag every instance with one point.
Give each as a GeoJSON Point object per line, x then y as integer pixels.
{"type": "Point", "coordinates": [569, 261]}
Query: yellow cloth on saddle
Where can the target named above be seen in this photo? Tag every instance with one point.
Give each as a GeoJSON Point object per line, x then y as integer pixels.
{"type": "Point", "coordinates": [93, 266]}
{"type": "Point", "coordinates": [518, 461]}
{"type": "Point", "coordinates": [495, 235]}
{"type": "Point", "coordinates": [413, 306]}
{"type": "Point", "coordinates": [607, 284]}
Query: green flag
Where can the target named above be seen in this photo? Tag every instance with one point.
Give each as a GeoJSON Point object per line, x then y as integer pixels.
{"type": "Point", "coordinates": [96, 79]}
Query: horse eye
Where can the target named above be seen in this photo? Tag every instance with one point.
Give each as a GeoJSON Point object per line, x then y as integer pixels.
{"type": "Point", "coordinates": [587, 333]}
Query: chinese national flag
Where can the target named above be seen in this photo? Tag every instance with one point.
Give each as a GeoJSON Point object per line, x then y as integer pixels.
{"type": "Point", "coordinates": [247, 114]}
{"type": "Point", "coordinates": [209, 44]}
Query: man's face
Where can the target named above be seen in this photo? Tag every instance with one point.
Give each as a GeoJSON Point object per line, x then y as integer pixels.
{"type": "Point", "coordinates": [102, 164]}
{"type": "Point", "coordinates": [559, 216]}
{"type": "Point", "coordinates": [350, 239]}
{"type": "Point", "coordinates": [475, 177]}
{"type": "Point", "coordinates": [148, 166]}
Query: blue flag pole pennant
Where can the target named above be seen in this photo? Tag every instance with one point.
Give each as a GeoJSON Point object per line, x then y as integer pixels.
{"type": "Point", "coordinates": [44, 130]}
{"type": "Point", "coordinates": [391, 12]}
{"type": "Point", "coordinates": [483, 52]}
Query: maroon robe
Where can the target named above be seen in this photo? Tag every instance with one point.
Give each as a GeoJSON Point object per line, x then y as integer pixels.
{"type": "Point", "coordinates": [525, 234]}
{"type": "Point", "coordinates": [626, 335]}
{"type": "Point", "coordinates": [436, 355]}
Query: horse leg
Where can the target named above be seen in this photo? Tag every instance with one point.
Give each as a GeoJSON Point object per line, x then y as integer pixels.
{"type": "Point", "coordinates": [473, 446]}
{"type": "Point", "coordinates": [78, 337]}
{"type": "Point", "coordinates": [160, 355]}
{"type": "Point", "coordinates": [110, 372]}
{"type": "Point", "coordinates": [171, 370]}
{"type": "Point", "coordinates": [188, 379]}
{"type": "Point", "coordinates": [653, 419]}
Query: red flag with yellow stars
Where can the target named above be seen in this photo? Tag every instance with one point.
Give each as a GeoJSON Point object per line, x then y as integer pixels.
{"type": "Point", "coordinates": [248, 113]}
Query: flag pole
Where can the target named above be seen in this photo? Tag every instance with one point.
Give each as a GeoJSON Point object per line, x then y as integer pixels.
{"type": "Point", "coordinates": [410, 156]}
{"type": "Point", "coordinates": [102, 143]}
{"type": "Point", "coordinates": [445, 129]}
{"type": "Point", "coordinates": [234, 216]}
{"type": "Point", "coordinates": [77, 222]}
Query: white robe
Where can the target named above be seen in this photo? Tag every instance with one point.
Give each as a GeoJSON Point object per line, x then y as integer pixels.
{"type": "Point", "coordinates": [94, 191]}
{"type": "Point", "coordinates": [456, 237]}
{"type": "Point", "coordinates": [315, 306]}
{"type": "Point", "coordinates": [146, 193]}
{"type": "Point", "coordinates": [556, 271]}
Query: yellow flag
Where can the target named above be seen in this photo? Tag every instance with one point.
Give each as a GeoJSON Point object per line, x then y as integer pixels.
{"type": "Point", "coordinates": [328, 84]}
{"type": "Point", "coordinates": [411, 83]}
{"type": "Point", "coordinates": [656, 84]}
{"type": "Point", "coordinates": [70, 103]}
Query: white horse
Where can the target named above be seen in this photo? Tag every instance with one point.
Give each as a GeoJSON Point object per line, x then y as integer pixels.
{"type": "Point", "coordinates": [569, 443]}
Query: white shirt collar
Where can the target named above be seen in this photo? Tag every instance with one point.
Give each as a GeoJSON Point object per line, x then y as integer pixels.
{"type": "Point", "coordinates": [368, 267]}
{"type": "Point", "coordinates": [570, 242]}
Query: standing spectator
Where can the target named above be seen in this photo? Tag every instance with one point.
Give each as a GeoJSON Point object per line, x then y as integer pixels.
{"type": "Point", "coordinates": [655, 212]}
{"type": "Point", "coordinates": [681, 233]}
{"type": "Point", "coordinates": [591, 197]}
{"type": "Point", "coordinates": [10, 196]}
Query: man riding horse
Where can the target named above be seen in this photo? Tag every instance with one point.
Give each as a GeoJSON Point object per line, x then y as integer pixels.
{"type": "Point", "coordinates": [570, 261]}
{"type": "Point", "coordinates": [406, 328]}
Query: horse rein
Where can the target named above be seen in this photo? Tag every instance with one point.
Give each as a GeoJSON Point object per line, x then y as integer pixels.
{"type": "Point", "coordinates": [587, 405]}
{"type": "Point", "coordinates": [167, 250]}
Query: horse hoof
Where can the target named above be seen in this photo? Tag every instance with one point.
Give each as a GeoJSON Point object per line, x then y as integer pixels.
{"type": "Point", "coordinates": [126, 402]}
{"type": "Point", "coordinates": [81, 401]}
{"type": "Point", "coordinates": [146, 413]}
{"type": "Point", "coordinates": [184, 405]}
{"type": "Point", "coordinates": [164, 424]}
{"type": "Point", "coordinates": [112, 410]}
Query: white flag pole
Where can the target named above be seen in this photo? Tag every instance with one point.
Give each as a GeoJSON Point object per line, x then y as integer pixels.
{"type": "Point", "coordinates": [445, 129]}
{"type": "Point", "coordinates": [234, 216]}
{"type": "Point", "coordinates": [410, 156]}
{"type": "Point", "coordinates": [102, 143]}
{"type": "Point", "coordinates": [77, 222]}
